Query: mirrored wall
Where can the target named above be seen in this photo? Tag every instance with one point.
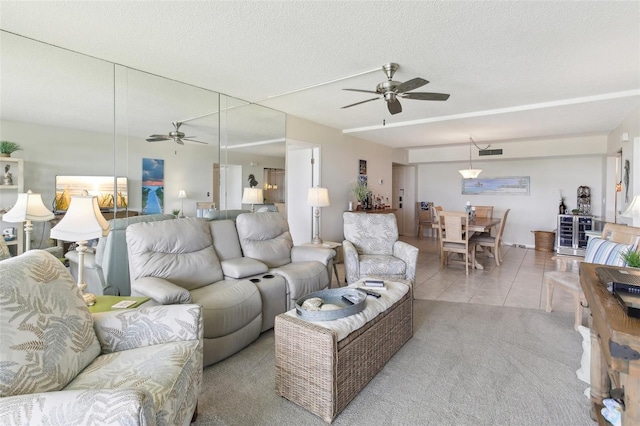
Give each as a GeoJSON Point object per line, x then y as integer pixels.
{"type": "Point", "coordinates": [177, 145]}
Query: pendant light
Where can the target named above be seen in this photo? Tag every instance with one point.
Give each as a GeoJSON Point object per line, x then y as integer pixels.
{"type": "Point", "coordinates": [470, 173]}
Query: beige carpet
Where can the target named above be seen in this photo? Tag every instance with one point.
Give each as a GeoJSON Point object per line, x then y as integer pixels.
{"type": "Point", "coordinates": [467, 364]}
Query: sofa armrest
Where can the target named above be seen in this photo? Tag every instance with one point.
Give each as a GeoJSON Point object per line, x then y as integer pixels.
{"type": "Point", "coordinates": [307, 254]}
{"type": "Point", "coordinates": [89, 259]}
{"type": "Point", "coordinates": [409, 255]}
{"type": "Point", "coordinates": [128, 406]}
{"type": "Point", "coordinates": [242, 267]}
{"type": "Point", "coordinates": [135, 328]}
{"type": "Point", "coordinates": [162, 291]}
{"type": "Point", "coordinates": [351, 262]}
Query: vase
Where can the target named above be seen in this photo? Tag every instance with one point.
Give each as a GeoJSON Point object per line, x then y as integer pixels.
{"type": "Point", "coordinates": [4, 154]}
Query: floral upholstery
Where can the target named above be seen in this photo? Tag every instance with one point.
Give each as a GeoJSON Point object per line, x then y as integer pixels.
{"type": "Point", "coordinates": [371, 248]}
{"type": "Point", "coordinates": [59, 365]}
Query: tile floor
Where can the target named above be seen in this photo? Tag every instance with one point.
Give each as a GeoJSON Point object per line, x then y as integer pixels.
{"type": "Point", "coordinates": [516, 282]}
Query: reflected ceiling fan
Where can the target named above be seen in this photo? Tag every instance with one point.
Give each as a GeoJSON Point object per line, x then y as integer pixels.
{"type": "Point", "coordinates": [391, 90]}
{"type": "Point", "coordinates": [177, 136]}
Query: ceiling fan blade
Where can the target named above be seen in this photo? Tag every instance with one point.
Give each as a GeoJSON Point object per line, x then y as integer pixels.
{"type": "Point", "coordinates": [158, 139]}
{"type": "Point", "coordinates": [394, 107]}
{"type": "Point", "coordinates": [360, 90]}
{"type": "Point", "coordinates": [414, 83]}
{"type": "Point", "coordinates": [425, 96]}
{"type": "Point", "coordinates": [159, 136]}
{"type": "Point", "coordinates": [193, 140]}
{"type": "Point", "coordinates": [179, 141]}
{"type": "Point", "coordinates": [358, 103]}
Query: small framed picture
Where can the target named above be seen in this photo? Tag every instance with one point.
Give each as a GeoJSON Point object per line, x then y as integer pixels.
{"type": "Point", "coordinates": [363, 167]}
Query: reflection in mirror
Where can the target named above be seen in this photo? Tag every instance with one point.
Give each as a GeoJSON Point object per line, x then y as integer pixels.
{"type": "Point", "coordinates": [58, 105]}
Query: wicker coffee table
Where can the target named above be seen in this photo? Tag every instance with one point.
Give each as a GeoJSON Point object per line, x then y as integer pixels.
{"type": "Point", "coordinates": [321, 370]}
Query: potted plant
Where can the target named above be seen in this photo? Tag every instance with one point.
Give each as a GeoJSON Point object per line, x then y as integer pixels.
{"type": "Point", "coordinates": [6, 148]}
{"type": "Point", "coordinates": [575, 211]}
{"type": "Point", "coordinates": [175, 212]}
{"type": "Point", "coordinates": [360, 190]}
{"type": "Point", "coordinates": [632, 258]}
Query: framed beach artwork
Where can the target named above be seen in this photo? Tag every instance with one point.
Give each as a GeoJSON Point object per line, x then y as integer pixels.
{"type": "Point", "coordinates": [363, 167]}
{"type": "Point", "coordinates": [152, 186]}
{"type": "Point", "coordinates": [514, 185]}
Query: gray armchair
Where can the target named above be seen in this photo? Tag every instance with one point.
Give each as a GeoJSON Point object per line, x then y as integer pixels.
{"type": "Point", "coordinates": [371, 248]}
{"type": "Point", "coordinates": [63, 366]}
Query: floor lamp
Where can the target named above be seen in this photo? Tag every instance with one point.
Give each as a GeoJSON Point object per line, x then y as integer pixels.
{"type": "Point", "coordinates": [83, 221]}
{"type": "Point", "coordinates": [252, 196]}
{"type": "Point", "coordinates": [317, 197]}
{"type": "Point", "coordinates": [29, 207]}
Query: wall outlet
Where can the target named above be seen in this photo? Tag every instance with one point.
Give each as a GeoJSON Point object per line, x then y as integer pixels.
{"type": "Point", "coordinates": [520, 245]}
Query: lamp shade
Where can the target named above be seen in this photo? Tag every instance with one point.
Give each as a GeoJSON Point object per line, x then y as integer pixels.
{"type": "Point", "coordinates": [182, 194]}
{"type": "Point", "coordinates": [470, 173]}
{"type": "Point", "coordinates": [634, 208]}
{"type": "Point", "coordinates": [318, 197]}
{"type": "Point", "coordinates": [82, 221]}
{"type": "Point", "coordinates": [252, 196]}
{"type": "Point", "coordinates": [29, 206]}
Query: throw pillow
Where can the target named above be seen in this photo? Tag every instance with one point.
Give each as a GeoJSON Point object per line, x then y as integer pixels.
{"type": "Point", "coordinates": [606, 252]}
{"type": "Point", "coordinates": [47, 330]}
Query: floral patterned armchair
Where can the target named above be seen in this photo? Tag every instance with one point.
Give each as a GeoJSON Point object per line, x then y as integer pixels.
{"type": "Point", "coordinates": [371, 248]}
{"type": "Point", "coordinates": [60, 365]}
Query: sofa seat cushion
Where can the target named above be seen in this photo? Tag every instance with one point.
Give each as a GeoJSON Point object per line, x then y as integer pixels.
{"type": "Point", "coordinates": [47, 337]}
{"type": "Point", "coordinates": [303, 277]}
{"type": "Point", "coordinates": [227, 306]}
{"type": "Point", "coordinates": [167, 372]}
{"type": "Point", "coordinates": [372, 264]}
{"type": "Point", "coordinates": [242, 267]}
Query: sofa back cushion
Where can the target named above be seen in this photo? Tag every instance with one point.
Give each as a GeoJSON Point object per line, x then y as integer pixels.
{"type": "Point", "coordinates": [180, 251]}
{"type": "Point", "coordinates": [266, 237]}
{"type": "Point", "coordinates": [225, 239]}
{"type": "Point", "coordinates": [371, 233]}
{"type": "Point", "coordinates": [112, 256]}
{"type": "Point", "coordinates": [46, 328]}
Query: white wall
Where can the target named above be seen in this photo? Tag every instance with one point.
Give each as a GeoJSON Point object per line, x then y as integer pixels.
{"type": "Point", "coordinates": [340, 155]}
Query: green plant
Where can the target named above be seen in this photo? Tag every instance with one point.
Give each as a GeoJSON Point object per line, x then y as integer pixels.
{"type": "Point", "coordinates": [632, 258]}
{"type": "Point", "coordinates": [360, 190]}
{"type": "Point", "coordinates": [175, 212]}
{"type": "Point", "coordinates": [7, 147]}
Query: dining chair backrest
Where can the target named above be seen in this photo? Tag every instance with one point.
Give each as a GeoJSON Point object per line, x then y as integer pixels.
{"type": "Point", "coordinates": [453, 227]}
{"type": "Point", "coordinates": [484, 211]}
{"type": "Point", "coordinates": [435, 211]}
{"type": "Point", "coordinates": [424, 215]}
{"type": "Point", "coordinates": [503, 221]}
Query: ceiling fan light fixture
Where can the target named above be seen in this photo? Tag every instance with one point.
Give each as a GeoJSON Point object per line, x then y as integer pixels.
{"type": "Point", "coordinates": [470, 173]}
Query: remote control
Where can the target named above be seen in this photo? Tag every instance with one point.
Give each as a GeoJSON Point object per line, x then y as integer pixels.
{"type": "Point", "coordinates": [369, 292]}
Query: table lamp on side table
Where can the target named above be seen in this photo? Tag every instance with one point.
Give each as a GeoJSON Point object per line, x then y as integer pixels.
{"type": "Point", "coordinates": [29, 207]}
{"type": "Point", "coordinates": [633, 210]}
{"type": "Point", "coordinates": [83, 221]}
{"type": "Point", "coordinates": [317, 197]}
{"type": "Point", "coordinates": [252, 196]}
{"type": "Point", "coordinates": [182, 194]}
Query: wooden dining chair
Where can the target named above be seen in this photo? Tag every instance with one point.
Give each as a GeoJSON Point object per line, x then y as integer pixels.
{"type": "Point", "coordinates": [424, 218]}
{"type": "Point", "coordinates": [484, 211]}
{"type": "Point", "coordinates": [453, 236]}
{"type": "Point", "coordinates": [493, 244]}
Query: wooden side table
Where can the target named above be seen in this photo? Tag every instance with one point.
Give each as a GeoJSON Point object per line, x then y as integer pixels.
{"type": "Point", "coordinates": [333, 246]}
{"type": "Point", "coordinates": [105, 303]}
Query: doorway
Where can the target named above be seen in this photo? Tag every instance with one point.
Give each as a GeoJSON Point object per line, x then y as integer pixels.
{"type": "Point", "coordinates": [303, 172]}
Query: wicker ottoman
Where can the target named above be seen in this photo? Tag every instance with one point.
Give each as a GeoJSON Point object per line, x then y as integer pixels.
{"type": "Point", "coordinates": [322, 373]}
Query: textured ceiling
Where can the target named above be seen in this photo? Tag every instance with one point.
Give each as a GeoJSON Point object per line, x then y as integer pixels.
{"type": "Point", "coordinates": [515, 70]}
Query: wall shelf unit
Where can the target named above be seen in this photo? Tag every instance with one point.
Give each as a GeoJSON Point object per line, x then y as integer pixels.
{"type": "Point", "coordinates": [8, 197]}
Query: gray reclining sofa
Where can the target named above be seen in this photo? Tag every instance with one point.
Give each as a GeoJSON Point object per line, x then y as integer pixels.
{"type": "Point", "coordinates": [242, 273]}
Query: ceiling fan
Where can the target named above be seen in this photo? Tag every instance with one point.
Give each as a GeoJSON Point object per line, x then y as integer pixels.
{"type": "Point", "coordinates": [392, 90]}
{"type": "Point", "coordinates": [177, 136]}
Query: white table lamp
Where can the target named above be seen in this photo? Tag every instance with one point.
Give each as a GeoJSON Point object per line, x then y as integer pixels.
{"type": "Point", "coordinates": [83, 221]}
{"type": "Point", "coordinates": [317, 197]}
{"type": "Point", "coordinates": [633, 210]}
{"type": "Point", "coordinates": [182, 194]}
{"type": "Point", "coordinates": [252, 196]}
{"type": "Point", "coordinates": [29, 207]}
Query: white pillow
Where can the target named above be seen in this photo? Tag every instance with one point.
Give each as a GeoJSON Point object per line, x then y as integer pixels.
{"type": "Point", "coordinates": [605, 252]}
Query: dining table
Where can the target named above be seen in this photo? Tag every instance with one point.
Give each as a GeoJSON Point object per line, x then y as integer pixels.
{"type": "Point", "coordinates": [479, 225]}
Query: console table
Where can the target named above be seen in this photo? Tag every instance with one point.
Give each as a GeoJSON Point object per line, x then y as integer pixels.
{"type": "Point", "coordinates": [615, 349]}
